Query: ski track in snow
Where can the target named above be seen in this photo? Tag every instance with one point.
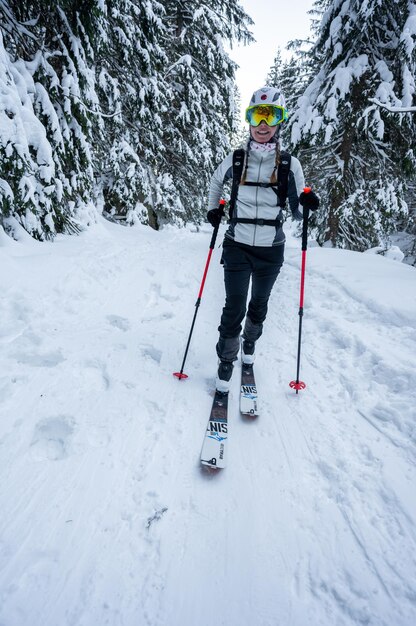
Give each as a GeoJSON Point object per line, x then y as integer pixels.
{"type": "Point", "coordinates": [106, 515]}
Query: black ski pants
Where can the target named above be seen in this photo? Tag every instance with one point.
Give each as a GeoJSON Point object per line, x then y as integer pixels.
{"type": "Point", "coordinates": [242, 262]}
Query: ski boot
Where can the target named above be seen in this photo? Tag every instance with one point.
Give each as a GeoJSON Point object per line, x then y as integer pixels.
{"type": "Point", "coordinates": [247, 354]}
{"type": "Point", "coordinates": [227, 351]}
{"type": "Point", "coordinates": [250, 335]}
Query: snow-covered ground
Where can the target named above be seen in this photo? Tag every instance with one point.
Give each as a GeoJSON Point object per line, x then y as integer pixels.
{"type": "Point", "coordinates": [105, 516]}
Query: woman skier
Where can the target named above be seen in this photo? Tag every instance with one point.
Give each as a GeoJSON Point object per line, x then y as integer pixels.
{"type": "Point", "coordinates": [253, 246]}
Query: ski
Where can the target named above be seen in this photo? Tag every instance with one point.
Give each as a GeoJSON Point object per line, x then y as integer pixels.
{"type": "Point", "coordinates": [213, 454]}
{"type": "Point", "coordinates": [248, 391]}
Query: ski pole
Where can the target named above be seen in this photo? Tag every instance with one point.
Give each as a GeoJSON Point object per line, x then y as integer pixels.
{"type": "Point", "coordinates": [298, 384]}
{"type": "Point", "coordinates": [180, 375]}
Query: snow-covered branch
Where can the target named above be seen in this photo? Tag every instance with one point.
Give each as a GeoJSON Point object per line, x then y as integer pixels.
{"type": "Point", "coordinates": [393, 109]}
{"type": "Point", "coordinates": [186, 59]}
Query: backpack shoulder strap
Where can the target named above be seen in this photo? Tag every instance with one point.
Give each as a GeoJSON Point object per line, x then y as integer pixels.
{"type": "Point", "coordinates": [283, 177]}
{"type": "Point", "coordinates": [238, 164]}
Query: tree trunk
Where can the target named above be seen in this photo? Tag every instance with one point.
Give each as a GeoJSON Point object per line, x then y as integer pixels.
{"type": "Point", "coordinates": [153, 223]}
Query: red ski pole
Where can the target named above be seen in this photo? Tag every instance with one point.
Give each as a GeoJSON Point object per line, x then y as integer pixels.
{"type": "Point", "coordinates": [180, 375]}
{"type": "Point", "coordinates": [298, 384]}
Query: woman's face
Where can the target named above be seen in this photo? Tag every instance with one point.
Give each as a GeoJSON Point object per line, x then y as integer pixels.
{"type": "Point", "coordinates": [262, 133]}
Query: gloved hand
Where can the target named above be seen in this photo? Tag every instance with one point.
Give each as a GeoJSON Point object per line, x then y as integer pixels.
{"type": "Point", "coordinates": [214, 217]}
{"type": "Point", "coordinates": [309, 200]}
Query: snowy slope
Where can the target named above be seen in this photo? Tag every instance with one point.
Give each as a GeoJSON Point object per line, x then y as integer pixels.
{"type": "Point", "coordinates": [105, 515]}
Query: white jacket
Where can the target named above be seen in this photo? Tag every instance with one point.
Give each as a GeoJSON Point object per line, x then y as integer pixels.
{"type": "Point", "coordinates": [258, 202]}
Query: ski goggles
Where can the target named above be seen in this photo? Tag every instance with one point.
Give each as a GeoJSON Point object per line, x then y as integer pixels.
{"type": "Point", "coordinates": [272, 114]}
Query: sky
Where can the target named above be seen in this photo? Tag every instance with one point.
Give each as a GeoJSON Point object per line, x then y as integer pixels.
{"type": "Point", "coordinates": [276, 22]}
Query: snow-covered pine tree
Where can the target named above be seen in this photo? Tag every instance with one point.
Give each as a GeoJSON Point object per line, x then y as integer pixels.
{"type": "Point", "coordinates": [130, 97]}
{"type": "Point", "coordinates": [198, 120]}
{"type": "Point", "coordinates": [360, 157]}
{"type": "Point", "coordinates": [291, 78]}
{"type": "Point", "coordinates": [47, 161]}
{"type": "Point", "coordinates": [130, 64]}
{"type": "Point", "coordinates": [238, 137]}
{"type": "Point", "coordinates": [273, 78]}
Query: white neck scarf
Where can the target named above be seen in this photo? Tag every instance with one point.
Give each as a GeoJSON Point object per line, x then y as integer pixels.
{"type": "Point", "coordinates": [262, 147]}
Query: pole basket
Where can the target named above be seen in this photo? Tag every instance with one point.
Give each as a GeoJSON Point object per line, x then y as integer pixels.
{"type": "Point", "coordinates": [297, 384]}
{"type": "Point", "coordinates": [180, 375]}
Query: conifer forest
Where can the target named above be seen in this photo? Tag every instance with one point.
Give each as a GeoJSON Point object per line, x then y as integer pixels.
{"type": "Point", "coordinates": [125, 107]}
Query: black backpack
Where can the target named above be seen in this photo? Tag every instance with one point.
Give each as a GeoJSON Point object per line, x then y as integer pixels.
{"type": "Point", "coordinates": [279, 188]}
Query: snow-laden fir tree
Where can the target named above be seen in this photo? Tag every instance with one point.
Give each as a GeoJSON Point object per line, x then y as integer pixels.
{"type": "Point", "coordinates": [291, 77]}
{"type": "Point", "coordinates": [360, 157]}
{"type": "Point", "coordinates": [273, 78]}
{"type": "Point", "coordinates": [238, 137]}
{"type": "Point", "coordinates": [130, 64]}
{"type": "Point", "coordinates": [199, 117]}
{"type": "Point", "coordinates": [127, 100]}
{"type": "Point", "coordinates": [175, 84]}
{"type": "Point", "coordinates": [94, 72]}
{"type": "Point", "coordinates": [48, 100]}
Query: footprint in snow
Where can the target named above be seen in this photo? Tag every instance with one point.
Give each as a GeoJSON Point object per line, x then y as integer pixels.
{"type": "Point", "coordinates": [166, 315]}
{"type": "Point", "coordinates": [52, 438]}
{"type": "Point", "coordinates": [119, 322]}
{"type": "Point", "coordinates": [156, 293]}
{"type": "Point", "coordinates": [151, 352]}
{"type": "Point", "coordinates": [49, 359]}
{"type": "Point", "coordinates": [94, 374]}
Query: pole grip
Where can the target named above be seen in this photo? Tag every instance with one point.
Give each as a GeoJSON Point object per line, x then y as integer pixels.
{"type": "Point", "coordinates": [305, 229]}
{"type": "Point", "coordinates": [305, 222]}
{"type": "Point", "coordinates": [215, 233]}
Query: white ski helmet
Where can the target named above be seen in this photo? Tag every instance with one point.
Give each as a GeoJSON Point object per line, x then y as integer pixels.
{"type": "Point", "coordinates": [268, 95]}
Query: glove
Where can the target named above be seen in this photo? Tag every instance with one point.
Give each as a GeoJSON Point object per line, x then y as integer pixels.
{"type": "Point", "coordinates": [214, 217]}
{"type": "Point", "coordinates": [309, 200]}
